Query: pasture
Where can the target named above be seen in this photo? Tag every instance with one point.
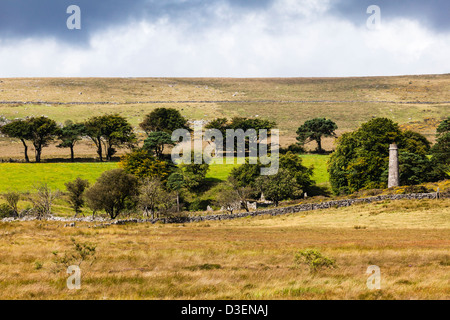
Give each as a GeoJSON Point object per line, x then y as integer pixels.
{"type": "Point", "coordinates": [23, 177]}
{"type": "Point", "coordinates": [239, 259]}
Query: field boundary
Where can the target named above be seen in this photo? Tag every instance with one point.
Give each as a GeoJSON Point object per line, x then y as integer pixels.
{"type": "Point", "coordinates": [215, 101]}
{"type": "Point", "coordinates": [272, 212]}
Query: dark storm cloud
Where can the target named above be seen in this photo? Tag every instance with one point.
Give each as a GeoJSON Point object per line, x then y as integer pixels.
{"type": "Point", "coordinates": [20, 19]}
{"type": "Point", "coordinates": [47, 18]}
{"type": "Point", "coordinates": [433, 13]}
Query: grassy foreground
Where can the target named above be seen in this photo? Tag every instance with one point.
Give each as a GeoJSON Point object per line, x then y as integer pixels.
{"type": "Point", "coordinates": [240, 259]}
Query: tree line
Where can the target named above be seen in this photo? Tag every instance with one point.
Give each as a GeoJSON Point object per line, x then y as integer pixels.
{"type": "Point", "coordinates": [149, 181]}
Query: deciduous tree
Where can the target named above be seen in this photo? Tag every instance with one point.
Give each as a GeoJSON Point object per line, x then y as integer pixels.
{"type": "Point", "coordinates": [315, 130]}
{"type": "Point", "coordinates": [164, 119]}
{"type": "Point", "coordinates": [110, 132]}
{"type": "Point", "coordinates": [43, 131]}
{"type": "Point", "coordinates": [19, 129]}
{"type": "Point", "coordinates": [69, 135]}
{"type": "Point", "coordinates": [113, 192]}
{"type": "Point", "coordinates": [76, 191]}
{"type": "Point", "coordinates": [156, 141]}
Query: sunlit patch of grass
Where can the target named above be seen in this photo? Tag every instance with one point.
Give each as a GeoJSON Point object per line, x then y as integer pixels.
{"type": "Point", "coordinates": [24, 176]}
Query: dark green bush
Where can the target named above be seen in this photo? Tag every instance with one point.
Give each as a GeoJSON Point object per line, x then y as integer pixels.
{"type": "Point", "coordinates": [6, 211]}
{"type": "Point", "coordinates": [199, 205]}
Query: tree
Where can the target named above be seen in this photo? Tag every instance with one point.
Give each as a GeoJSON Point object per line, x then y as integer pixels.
{"type": "Point", "coordinates": [156, 141]}
{"type": "Point", "coordinates": [43, 130]}
{"type": "Point", "coordinates": [246, 174]}
{"type": "Point", "coordinates": [244, 193]}
{"type": "Point", "coordinates": [110, 132]}
{"type": "Point", "coordinates": [19, 129]}
{"type": "Point", "coordinates": [113, 192]}
{"type": "Point", "coordinates": [220, 124]}
{"type": "Point", "coordinates": [280, 186]}
{"type": "Point", "coordinates": [76, 191]}
{"type": "Point", "coordinates": [176, 183]}
{"type": "Point", "coordinates": [194, 175]}
{"type": "Point", "coordinates": [414, 142]}
{"type": "Point", "coordinates": [228, 198]}
{"type": "Point", "coordinates": [245, 124]}
{"type": "Point", "coordinates": [414, 168]}
{"type": "Point", "coordinates": [12, 199]}
{"type": "Point", "coordinates": [43, 199]}
{"type": "Point", "coordinates": [94, 132]}
{"type": "Point", "coordinates": [143, 165]}
{"type": "Point", "coordinates": [69, 135]}
{"type": "Point", "coordinates": [315, 130]}
{"type": "Point", "coordinates": [441, 150]}
{"type": "Point", "coordinates": [152, 196]}
{"type": "Point", "coordinates": [294, 164]}
{"type": "Point", "coordinates": [164, 119]}
{"type": "Point", "coordinates": [361, 158]}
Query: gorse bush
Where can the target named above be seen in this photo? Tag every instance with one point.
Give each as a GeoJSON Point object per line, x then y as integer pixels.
{"type": "Point", "coordinates": [12, 199]}
{"type": "Point", "coordinates": [6, 211]}
{"type": "Point", "coordinates": [80, 252]}
{"type": "Point", "coordinates": [314, 259]}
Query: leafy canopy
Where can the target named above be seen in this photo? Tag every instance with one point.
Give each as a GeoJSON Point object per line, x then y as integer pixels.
{"type": "Point", "coordinates": [113, 192]}
{"type": "Point", "coordinates": [314, 130]}
{"type": "Point", "coordinates": [361, 158]}
{"type": "Point", "coordinates": [164, 119]}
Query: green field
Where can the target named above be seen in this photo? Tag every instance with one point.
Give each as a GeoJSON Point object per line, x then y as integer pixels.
{"type": "Point", "coordinates": [319, 162]}
{"type": "Point", "coordinates": [23, 176]}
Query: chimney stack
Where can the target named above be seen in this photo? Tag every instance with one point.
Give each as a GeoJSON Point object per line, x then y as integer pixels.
{"type": "Point", "coordinates": [393, 180]}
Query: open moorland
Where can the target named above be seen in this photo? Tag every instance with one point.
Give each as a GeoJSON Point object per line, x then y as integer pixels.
{"type": "Point", "coordinates": [248, 258]}
{"type": "Point", "coordinates": [239, 259]}
{"type": "Point", "coordinates": [416, 102]}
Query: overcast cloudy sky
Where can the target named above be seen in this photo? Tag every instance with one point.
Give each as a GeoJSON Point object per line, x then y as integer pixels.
{"type": "Point", "coordinates": [223, 38]}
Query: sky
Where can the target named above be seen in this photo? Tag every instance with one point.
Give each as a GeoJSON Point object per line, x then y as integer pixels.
{"type": "Point", "coordinates": [224, 38]}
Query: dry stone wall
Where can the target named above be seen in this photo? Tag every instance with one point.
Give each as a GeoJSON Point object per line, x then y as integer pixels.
{"type": "Point", "coordinates": [272, 212]}
{"type": "Point", "coordinates": [287, 210]}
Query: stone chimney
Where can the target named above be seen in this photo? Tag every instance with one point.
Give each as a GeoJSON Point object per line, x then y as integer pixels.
{"type": "Point", "coordinates": [393, 180]}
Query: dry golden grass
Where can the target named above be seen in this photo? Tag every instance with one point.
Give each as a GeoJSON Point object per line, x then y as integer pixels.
{"type": "Point", "coordinates": [388, 92]}
{"type": "Point", "coordinates": [253, 258]}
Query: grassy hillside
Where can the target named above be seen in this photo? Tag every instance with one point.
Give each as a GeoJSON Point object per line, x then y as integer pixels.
{"type": "Point", "coordinates": [240, 259]}
{"type": "Point", "coordinates": [408, 100]}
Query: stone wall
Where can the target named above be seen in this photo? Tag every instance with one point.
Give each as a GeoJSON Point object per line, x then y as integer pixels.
{"type": "Point", "coordinates": [272, 212]}
{"type": "Point", "coordinates": [286, 210]}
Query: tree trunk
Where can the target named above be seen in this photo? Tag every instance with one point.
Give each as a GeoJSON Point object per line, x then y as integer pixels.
{"type": "Point", "coordinates": [99, 149]}
{"type": "Point", "coordinates": [26, 150]}
{"type": "Point", "coordinates": [178, 201]}
{"type": "Point", "coordinates": [319, 145]}
{"type": "Point", "coordinates": [38, 151]}
{"type": "Point", "coordinates": [72, 156]}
